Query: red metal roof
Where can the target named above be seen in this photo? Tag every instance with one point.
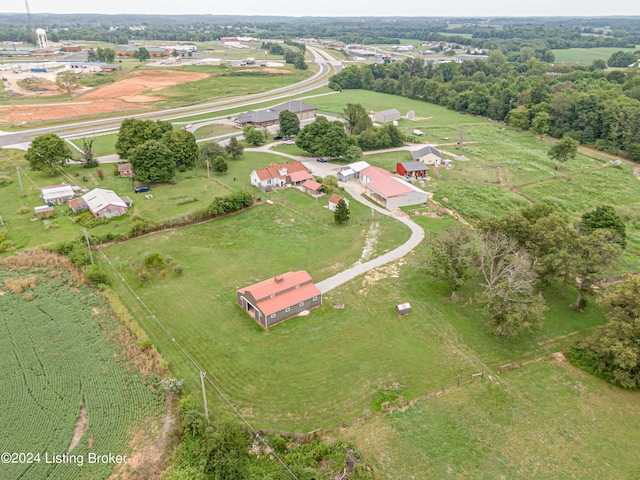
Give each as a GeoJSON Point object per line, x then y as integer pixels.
{"type": "Point", "coordinates": [335, 198]}
{"type": "Point", "coordinates": [300, 176]}
{"type": "Point", "coordinates": [278, 286]}
{"type": "Point", "coordinates": [375, 173]}
{"type": "Point", "coordinates": [273, 170]}
{"type": "Point", "coordinates": [312, 185]}
{"type": "Point", "coordinates": [390, 187]}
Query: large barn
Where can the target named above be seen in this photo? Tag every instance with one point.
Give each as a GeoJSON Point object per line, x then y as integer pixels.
{"type": "Point", "coordinates": [274, 300]}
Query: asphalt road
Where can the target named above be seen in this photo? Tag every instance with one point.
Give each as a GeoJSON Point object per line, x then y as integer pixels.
{"type": "Point", "coordinates": [20, 139]}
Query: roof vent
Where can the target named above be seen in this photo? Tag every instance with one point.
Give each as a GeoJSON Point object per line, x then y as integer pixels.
{"type": "Point", "coordinates": [278, 279]}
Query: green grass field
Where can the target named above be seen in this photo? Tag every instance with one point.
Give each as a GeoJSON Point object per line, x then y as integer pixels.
{"type": "Point", "coordinates": [586, 55]}
{"type": "Point", "coordinates": [546, 420]}
{"type": "Point", "coordinates": [58, 351]}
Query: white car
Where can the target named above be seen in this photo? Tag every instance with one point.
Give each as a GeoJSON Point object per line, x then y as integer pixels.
{"type": "Point", "coordinates": [289, 142]}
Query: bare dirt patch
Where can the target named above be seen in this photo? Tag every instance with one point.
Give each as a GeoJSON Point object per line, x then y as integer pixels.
{"type": "Point", "coordinates": [122, 95]}
{"type": "Point", "coordinates": [82, 425]}
{"type": "Point", "coordinates": [141, 81]}
{"type": "Point", "coordinates": [636, 172]}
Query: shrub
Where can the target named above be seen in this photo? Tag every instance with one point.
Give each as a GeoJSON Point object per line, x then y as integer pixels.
{"type": "Point", "coordinates": [173, 385]}
{"type": "Point", "coordinates": [96, 275]}
{"type": "Point", "coordinates": [100, 174]}
{"type": "Point", "coordinates": [177, 269]}
{"type": "Point", "coordinates": [5, 180]}
{"type": "Point", "coordinates": [23, 210]}
{"type": "Point", "coordinates": [91, 163]}
{"type": "Point", "coordinates": [154, 261]}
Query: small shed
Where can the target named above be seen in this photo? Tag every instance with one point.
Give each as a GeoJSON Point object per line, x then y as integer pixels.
{"type": "Point", "coordinates": [44, 211]}
{"type": "Point", "coordinates": [334, 199]}
{"type": "Point", "coordinates": [346, 174]}
{"type": "Point", "coordinates": [403, 308]}
{"type": "Point", "coordinates": [125, 170]}
{"type": "Point", "coordinates": [412, 169]}
{"type": "Point", "coordinates": [312, 187]}
{"type": "Point", "coordinates": [384, 116]}
{"type": "Point", "coordinates": [410, 114]}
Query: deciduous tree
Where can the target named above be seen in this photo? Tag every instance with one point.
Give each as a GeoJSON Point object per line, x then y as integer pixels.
{"type": "Point", "coordinates": [183, 145]}
{"type": "Point", "coordinates": [323, 138]}
{"type": "Point", "coordinates": [563, 150]}
{"type": "Point", "coordinates": [605, 216]}
{"type": "Point", "coordinates": [234, 148]}
{"type": "Point", "coordinates": [357, 119]}
{"type": "Point", "coordinates": [210, 151]}
{"type": "Point", "coordinates": [134, 132]}
{"type": "Point", "coordinates": [252, 136]}
{"type": "Point", "coordinates": [451, 256]}
{"type": "Point", "coordinates": [219, 165]}
{"type": "Point", "coordinates": [289, 123]}
{"type": "Point", "coordinates": [67, 81]}
{"type": "Point", "coordinates": [153, 162]}
{"type": "Point", "coordinates": [47, 152]}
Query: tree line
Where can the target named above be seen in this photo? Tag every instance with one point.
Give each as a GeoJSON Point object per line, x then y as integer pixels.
{"type": "Point", "coordinates": [595, 107]}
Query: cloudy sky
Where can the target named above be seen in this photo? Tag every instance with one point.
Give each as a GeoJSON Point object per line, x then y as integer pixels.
{"type": "Point", "coordinates": [337, 8]}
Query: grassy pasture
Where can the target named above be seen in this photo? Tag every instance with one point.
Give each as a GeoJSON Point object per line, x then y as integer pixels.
{"type": "Point", "coordinates": [58, 351]}
{"type": "Point", "coordinates": [586, 55]}
{"type": "Point", "coordinates": [547, 420]}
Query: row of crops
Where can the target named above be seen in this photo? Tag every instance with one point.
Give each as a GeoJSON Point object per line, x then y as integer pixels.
{"type": "Point", "coordinates": [53, 357]}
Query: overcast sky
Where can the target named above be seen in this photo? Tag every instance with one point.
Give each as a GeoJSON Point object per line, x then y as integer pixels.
{"type": "Point", "coordinates": [337, 8]}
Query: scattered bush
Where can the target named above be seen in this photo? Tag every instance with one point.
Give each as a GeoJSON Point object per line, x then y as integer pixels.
{"type": "Point", "coordinates": [5, 180]}
{"type": "Point", "coordinates": [173, 385]}
{"type": "Point", "coordinates": [186, 200]}
{"type": "Point", "coordinates": [96, 275]}
{"type": "Point", "coordinates": [100, 174]}
{"type": "Point", "coordinates": [19, 285]}
{"type": "Point", "coordinates": [154, 261]}
{"type": "Point", "coordinates": [23, 210]}
{"type": "Point", "coordinates": [177, 269]}
{"type": "Point", "coordinates": [87, 220]}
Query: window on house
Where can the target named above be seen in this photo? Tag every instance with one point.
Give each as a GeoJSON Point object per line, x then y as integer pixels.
{"type": "Point", "coordinates": [315, 298]}
{"type": "Point", "coordinates": [273, 295]}
{"type": "Point", "coordinates": [297, 286]}
{"type": "Point", "coordinates": [301, 304]}
{"type": "Point", "coordinates": [273, 315]}
{"type": "Point", "coordinates": [287, 309]}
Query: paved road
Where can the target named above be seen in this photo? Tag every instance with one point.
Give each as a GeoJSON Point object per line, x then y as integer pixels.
{"type": "Point", "coordinates": [417, 235]}
{"type": "Point", "coordinates": [19, 139]}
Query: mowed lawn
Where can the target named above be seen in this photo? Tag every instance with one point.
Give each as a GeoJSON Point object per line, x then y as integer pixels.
{"type": "Point", "coordinates": [547, 420]}
{"type": "Point", "coordinates": [586, 55]}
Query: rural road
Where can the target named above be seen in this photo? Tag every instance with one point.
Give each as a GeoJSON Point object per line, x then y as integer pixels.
{"type": "Point", "coordinates": [20, 139]}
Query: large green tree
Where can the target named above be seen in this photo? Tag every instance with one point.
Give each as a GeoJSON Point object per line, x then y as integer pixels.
{"type": "Point", "coordinates": [67, 81]}
{"type": "Point", "coordinates": [209, 151]}
{"type": "Point", "coordinates": [134, 132]}
{"type": "Point", "coordinates": [451, 256]}
{"type": "Point", "coordinates": [289, 123]}
{"type": "Point", "coordinates": [47, 152]}
{"type": "Point", "coordinates": [357, 119]}
{"type": "Point", "coordinates": [183, 145]}
{"type": "Point", "coordinates": [252, 136]}
{"type": "Point", "coordinates": [563, 150]}
{"type": "Point", "coordinates": [153, 162]}
{"type": "Point", "coordinates": [142, 54]}
{"type": "Point", "coordinates": [613, 351]}
{"type": "Point", "coordinates": [323, 138]}
{"type": "Point", "coordinates": [606, 217]}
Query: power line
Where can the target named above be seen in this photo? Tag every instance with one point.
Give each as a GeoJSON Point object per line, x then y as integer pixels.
{"type": "Point", "coordinates": [200, 370]}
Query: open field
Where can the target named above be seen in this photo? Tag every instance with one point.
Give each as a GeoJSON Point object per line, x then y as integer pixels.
{"type": "Point", "coordinates": [586, 55]}
{"type": "Point", "coordinates": [547, 420]}
{"type": "Point", "coordinates": [67, 385]}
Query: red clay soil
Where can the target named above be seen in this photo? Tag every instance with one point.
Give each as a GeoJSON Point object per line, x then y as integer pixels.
{"type": "Point", "coordinates": [115, 97]}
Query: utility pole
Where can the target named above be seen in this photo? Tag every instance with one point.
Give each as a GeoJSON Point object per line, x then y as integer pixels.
{"type": "Point", "coordinates": [86, 236]}
{"type": "Point", "coordinates": [20, 181]}
{"type": "Point", "coordinates": [204, 396]}
{"type": "Point", "coordinates": [208, 172]}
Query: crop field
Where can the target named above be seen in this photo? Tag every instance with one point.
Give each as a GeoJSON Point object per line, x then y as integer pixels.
{"type": "Point", "coordinates": [547, 420]}
{"type": "Point", "coordinates": [586, 55]}
{"type": "Point", "coordinates": [60, 374]}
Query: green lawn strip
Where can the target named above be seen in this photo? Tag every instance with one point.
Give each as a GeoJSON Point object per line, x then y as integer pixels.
{"type": "Point", "coordinates": [54, 356]}
{"type": "Point", "coordinates": [547, 420]}
{"type": "Point", "coordinates": [586, 55]}
{"type": "Point", "coordinates": [215, 130]}
{"type": "Point", "coordinates": [102, 144]}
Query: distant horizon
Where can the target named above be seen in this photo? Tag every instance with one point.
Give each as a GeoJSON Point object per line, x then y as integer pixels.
{"type": "Point", "coordinates": [338, 8]}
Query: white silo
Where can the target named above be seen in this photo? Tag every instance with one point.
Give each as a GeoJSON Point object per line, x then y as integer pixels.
{"type": "Point", "coordinates": [41, 34]}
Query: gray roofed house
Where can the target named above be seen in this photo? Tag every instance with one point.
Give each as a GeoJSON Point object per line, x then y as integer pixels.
{"type": "Point", "coordinates": [271, 116]}
{"type": "Point", "coordinates": [428, 155]}
{"type": "Point", "coordinates": [412, 169]}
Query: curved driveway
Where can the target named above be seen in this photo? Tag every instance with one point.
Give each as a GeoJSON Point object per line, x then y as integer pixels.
{"type": "Point", "coordinates": [417, 233]}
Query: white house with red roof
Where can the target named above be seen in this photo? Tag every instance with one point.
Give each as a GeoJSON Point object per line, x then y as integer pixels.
{"type": "Point", "coordinates": [274, 300]}
{"type": "Point", "coordinates": [277, 175]}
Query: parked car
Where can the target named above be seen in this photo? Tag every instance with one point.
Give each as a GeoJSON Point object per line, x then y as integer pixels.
{"type": "Point", "coordinates": [289, 142]}
{"type": "Point", "coordinates": [141, 189]}
{"type": "Point", "coordinates": [277, 137]}
{"type": "Point", "coordinates": [321, 160]}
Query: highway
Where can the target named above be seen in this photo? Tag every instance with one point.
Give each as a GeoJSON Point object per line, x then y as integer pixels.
{"type": "Point", "coordinates": [321, 78]}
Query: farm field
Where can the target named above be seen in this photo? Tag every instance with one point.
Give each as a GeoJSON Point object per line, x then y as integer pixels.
{"type": "Point", "coordinates": [586, 55]}
{"type": "Point", "coordinates": [547, 420]}
{"type": "Point", "coordinates": [67, 372]}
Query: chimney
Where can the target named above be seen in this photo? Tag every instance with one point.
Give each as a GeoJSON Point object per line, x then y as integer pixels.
{"type": "Point", "coordinates": [278, 279]}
